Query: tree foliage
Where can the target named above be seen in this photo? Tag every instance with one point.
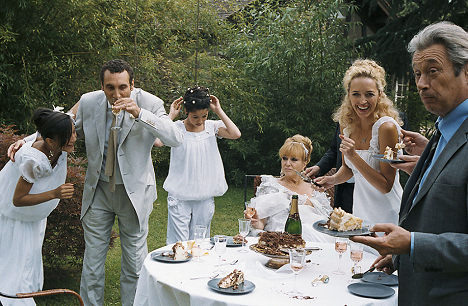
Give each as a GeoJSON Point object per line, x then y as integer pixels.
{"type": "Point", "coordinates": [389, 44]}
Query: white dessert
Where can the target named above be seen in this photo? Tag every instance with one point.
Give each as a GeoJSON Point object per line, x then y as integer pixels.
{"type": "Point", "coordinates": [179, 251]}
{"type": "Point", "coordinates": [400, 146]}
{"type": "Point", "coordinates": [233, 279]}
{"type": "Point", "coordinates": [342, 221]}
{"type": "Point", "coordinates": [388, 154]}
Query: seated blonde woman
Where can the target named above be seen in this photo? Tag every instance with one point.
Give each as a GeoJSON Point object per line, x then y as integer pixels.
{"type": "Point", "coordinates": [273, 196]}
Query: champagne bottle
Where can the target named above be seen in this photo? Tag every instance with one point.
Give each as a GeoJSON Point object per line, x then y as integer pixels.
{"type": "Point", "coordinates": [293, 224]}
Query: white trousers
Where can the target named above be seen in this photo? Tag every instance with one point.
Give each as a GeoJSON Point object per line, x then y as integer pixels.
{"type": "Point", "coordinates": [182, 216]}
{"type": "Point", "coordinates": [97, 225]}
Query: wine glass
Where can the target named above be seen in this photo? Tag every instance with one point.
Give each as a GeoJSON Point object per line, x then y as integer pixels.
{"type": "Point", "coordinates": [220, 248]}
{"type": "Point", "coordinates": [116, 113]}
{"type": "Point", "coordinates": [244, 227]}
{"type": "Point", "coordinates": [199, 235]}
{"type": "Point", "coordinates": [341, 245]}
{"type": "Point", "coordinates": [356, 253]}
{"type": "Point", "coordinates": [296, 262]}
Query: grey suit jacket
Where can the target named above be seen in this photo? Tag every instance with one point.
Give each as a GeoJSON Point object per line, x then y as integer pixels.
{"type": "Point", "coordinates": [133, 150]}
{"type": "Point", "coordinates": [438, 274]}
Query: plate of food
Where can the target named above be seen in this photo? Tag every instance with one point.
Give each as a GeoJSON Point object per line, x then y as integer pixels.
{"type": "Point", "coordinates": [381, 278]}
{"type": "Point", "coordinates": [371, 290]}
{"type": "Point", "coordinates": [176, 255]}
{"type": "Point", "coordinates": [343, 224]}
{"type": "Point", "coordinates": [235, 241]}
{"type": "Point", "coordinates": [380, 157]}
{"type": "Point", "coordinates": [233, 283]}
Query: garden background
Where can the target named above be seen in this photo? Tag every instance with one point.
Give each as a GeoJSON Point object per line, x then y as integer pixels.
{"type": "Point", "coordinates": [275, 65]}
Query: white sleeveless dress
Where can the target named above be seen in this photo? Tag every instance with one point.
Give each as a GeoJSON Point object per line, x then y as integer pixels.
{"type": "Point", "coordinates": [369, 203]}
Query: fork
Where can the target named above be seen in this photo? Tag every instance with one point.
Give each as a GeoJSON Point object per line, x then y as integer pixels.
{"type": "Point", "coordinates": [228, 263]}
{"type": "Point", "coordinates": [210, 277]}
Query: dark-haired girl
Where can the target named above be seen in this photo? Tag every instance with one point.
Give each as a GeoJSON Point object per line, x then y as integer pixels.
{"type": "Point", "coordinates": [196, 172]}
{"type": "Point", "coordinates": [30, 189]}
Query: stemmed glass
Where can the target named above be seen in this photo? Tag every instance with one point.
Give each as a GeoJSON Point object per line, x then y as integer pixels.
{"type": "Point", "coordinates": [244, 227]}
{"type": "Point", "coordinates": [199, 235]}
{"type": "Point", "coordinates": [220, 248]}
{"type": "Point", "coordinates": [356, 253]}
{"type": "Point", "coordinates": [341, 245]}
{"type": "Point", "coordinates": [116, 113]}
{"type": "Point", "coordinates": [296, 262]}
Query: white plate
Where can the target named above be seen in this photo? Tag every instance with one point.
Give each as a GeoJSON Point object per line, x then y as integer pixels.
{"type": "Point", "coordinates": [360, 232]}
{"type": "Point", "coordinates": [370, 290]}
{"type": "Point", "coordinates": [244, 288]}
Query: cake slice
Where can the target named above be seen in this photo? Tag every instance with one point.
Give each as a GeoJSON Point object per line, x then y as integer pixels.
{"type": "Point", "coordinates": [179, 251]}
{"type": "Point", "coordinates": [233, 279]}
{"type": "Point", "coordinates": [388, 154]}
{"type": "Point", "coordinates": [342, 221]}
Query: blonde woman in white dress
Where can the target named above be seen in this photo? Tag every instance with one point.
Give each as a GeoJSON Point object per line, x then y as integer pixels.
{"type": "Point", "coordinates": [31, 188]}
{"type": "Point", "coordinates": [273, 196]}
{"type": "Point", "coordinates": [369, 124]}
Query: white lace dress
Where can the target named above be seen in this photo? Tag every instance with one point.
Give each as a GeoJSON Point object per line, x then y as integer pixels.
{"type": "Point", "coordinates": [22, 228]}
{"type": "Point", "coordinates": [369, 203]}
{"type": "Point", "coordinates": [273, 200]}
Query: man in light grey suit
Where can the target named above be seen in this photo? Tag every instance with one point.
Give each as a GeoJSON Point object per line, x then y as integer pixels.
{"type": "Point", "coordinates": [141, 121]}
{"type": "Point", "coordinates": [431, 242]}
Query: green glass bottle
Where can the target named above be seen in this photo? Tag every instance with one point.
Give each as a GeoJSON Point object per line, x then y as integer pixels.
{"type": "Point", "coordinates": [293, 224]}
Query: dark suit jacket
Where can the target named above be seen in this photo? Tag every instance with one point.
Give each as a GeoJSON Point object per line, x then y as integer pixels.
{"type": "Point", "coordinates": [439, 219]}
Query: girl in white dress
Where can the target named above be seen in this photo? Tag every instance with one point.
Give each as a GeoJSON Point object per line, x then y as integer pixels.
{"type": "Point", "coordinates": [273, 196]}
{"type": "Point", "coordinates": [369, 124]}
{"type": "Point", "coordinates": [31, 188]}
{"type": "Point", "coordinates": [196, 172]}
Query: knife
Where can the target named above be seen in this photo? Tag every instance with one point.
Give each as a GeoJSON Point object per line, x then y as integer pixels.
{"type": "Point", "coordinates": [307, 179]}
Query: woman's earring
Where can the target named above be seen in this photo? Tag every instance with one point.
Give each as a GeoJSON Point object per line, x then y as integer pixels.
{"type": "Point", "coordinates": [50, 151]}
{"type": "Point", "coordinates": [281, 173]}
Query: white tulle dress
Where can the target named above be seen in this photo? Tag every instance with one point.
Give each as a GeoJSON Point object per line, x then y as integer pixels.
{"type": "Point", "coordinates": [22, 228]}
{"type": "Point", "coordinates": [369, 203]}
{"type": "Point", "coordinates": [273, 200]}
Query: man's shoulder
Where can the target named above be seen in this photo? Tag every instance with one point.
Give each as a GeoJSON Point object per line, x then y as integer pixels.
{"type": "Point", "coordinates": [93, 95]}
{"type": "Point", "coordinates": [144, 97]}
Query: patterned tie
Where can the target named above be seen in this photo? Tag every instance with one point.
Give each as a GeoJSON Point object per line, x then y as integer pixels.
{"type": "Point", "coordinates": [415, 190]}
{"type": "Point", "coordinates": [111, 160]}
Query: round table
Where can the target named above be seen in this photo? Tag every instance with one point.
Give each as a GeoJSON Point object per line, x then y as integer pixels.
{"type": "Point", "coordinates": [166, 284]}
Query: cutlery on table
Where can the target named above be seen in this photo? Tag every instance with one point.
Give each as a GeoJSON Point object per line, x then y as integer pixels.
{"type": "Point", "coordinates": [210, 277]}
{"type": "Point", "coordinates": [228, 263]}
{"type": "Point", "coordinates": [360, 275]}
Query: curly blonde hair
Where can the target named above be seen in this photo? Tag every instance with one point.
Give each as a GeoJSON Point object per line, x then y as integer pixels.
{"type": "Point", "coordinates": [297, 146]}
{"type": "Point", "coordinates": [346, 115]}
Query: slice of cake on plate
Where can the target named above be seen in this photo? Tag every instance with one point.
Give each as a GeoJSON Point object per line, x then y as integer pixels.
{"type": "Point", "coordinates": [342, 221]}
{"type": "Point", "coordinates": [233, 279]}
{"type": "Point", "coordinates": [179, 251]}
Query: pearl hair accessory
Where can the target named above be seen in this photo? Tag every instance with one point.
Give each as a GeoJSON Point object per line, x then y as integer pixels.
{"type": "Point", "coordinates": [306, 151]}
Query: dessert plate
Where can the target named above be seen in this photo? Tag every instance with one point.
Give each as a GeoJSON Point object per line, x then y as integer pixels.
{"type": "Point", "coordinates": [165, 258]}
{"type": "Point", "coordinates": [230, 242]}
{"type": "Point", "coordinates": [379, 157]}
{"type": "Point", "coordinates": [381, 278]}
{"type": "Point", "coordinates": [244, 288]}
{"type": "Point", "coordinates": [376, 291]}
{"type": "Point", "coordinates": [366, 225]}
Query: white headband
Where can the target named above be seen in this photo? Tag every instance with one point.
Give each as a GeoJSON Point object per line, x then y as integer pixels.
{"type": "Point", "coordinates": [306, 151]}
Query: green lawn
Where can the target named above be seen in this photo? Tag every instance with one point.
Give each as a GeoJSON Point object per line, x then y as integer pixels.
{"type": "Point", "coordinates": [228, 208]}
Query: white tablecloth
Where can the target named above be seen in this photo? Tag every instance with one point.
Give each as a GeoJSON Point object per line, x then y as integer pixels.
{"type": "Point", "coordinates": [165, 284]}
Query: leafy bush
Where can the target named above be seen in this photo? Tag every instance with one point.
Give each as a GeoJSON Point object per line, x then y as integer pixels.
{"type": "Point", "coordinates": [63, 243]}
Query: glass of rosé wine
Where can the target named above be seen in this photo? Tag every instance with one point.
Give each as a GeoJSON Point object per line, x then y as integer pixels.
{"type": "Point", "coordinates": [296, 262]}
{"type": "Point", "coordinates": [341, 244]}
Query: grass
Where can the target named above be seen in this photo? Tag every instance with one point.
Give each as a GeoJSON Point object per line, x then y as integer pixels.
{"type": "Point", "coordinates": [229, 207]}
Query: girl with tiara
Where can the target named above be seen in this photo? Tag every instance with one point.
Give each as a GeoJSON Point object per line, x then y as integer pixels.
{"type": "Point", "coordinates": [196, 172]}
{"type": "Point", "coordinates": [31, 188]}
{"type": "Point", "coordinates": [273, 197]}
